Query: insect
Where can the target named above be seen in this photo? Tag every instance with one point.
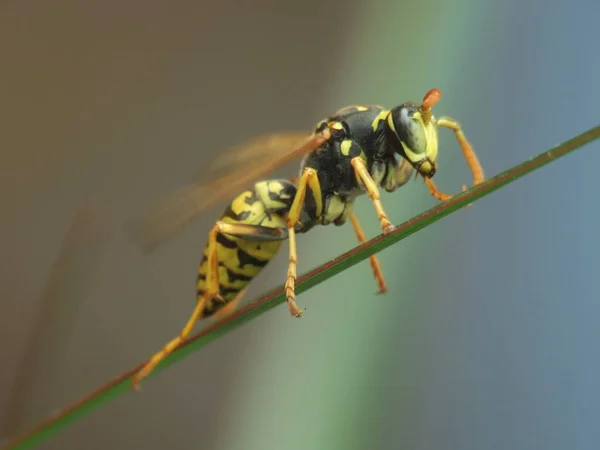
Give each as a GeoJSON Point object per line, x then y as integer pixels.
{"type": "Point", "coordinates": [356, 151]}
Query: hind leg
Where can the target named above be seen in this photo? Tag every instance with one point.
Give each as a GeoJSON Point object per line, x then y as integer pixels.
{"type": "Point", "coordinates": [211, 291]}
{"type": "Point", "coordinates": [231, 306]}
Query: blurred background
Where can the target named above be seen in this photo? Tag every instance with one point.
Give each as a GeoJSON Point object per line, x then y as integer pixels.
{"type": "Point", "coordinates": [488, 335]}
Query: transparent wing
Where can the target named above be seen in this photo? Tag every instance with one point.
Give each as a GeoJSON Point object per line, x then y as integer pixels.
{"type": "Point", "coordinates": [252, 154]}
{"type": "Point", "coordinates": [233, 170]}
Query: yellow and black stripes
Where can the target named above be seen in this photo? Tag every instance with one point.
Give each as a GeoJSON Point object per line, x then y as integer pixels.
{"type": "Point", "coordinates": [356, 151]}
{"type": "Point", "coordinates": [257, 229]}
{"type": "Point", "coordinates": [244, 240]}
{"type": "Point", "coordinates": [239, 261]}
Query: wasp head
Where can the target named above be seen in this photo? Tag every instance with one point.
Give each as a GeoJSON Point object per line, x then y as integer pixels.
{"type": "Point", "coordinates": [411, 132]}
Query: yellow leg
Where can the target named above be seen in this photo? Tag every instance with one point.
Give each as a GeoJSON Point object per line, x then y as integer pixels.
{"type": "Point", "coordinates": [308, 180]}
{"type": "Point", "coordinates": [230, 307]}
{"type": "Point", "coordinates": [170, 347]}
{"type": "Point", "coordinates": [290, 282]}
{"type": "Point", "coordinates": [465, 146]}
{"type": "Point", "coordinates": [211, 292]}
{"type": "Point", "coordinates": [363, 174]}
{"type": "Point", "coordinates": [433, 190]}
{"type": "Point", "coordinates": [375, 266]}
{"type": "Point", "coordinates": [468, 153]}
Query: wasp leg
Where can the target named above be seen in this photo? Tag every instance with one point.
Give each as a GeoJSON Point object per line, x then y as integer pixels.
{"type": "Point", "coordinates": [230, 307]}
{"type": "Point", "coordinates": [249, 232]}
{"type": "Point", "coordinates": [363, 175]}
{"type": "Point", "coordinates": [253, 232]}
{"type": "Point", "coordinates": [435, 192]}
{"type": "Point", "coordinates": [465, 146]}
{"type": "Point", "coordinates": [468, 153]}
{"type": "Point", "coordinates": [360, 235]}
{"type": "Point", "coordinates": [212, 285]}
{"type": "Point", "coordinates": [291, 277]}
{"type": "Point", "coordinates": [308, 180]}
{"type": "Point", "coordinates": [212, 291]}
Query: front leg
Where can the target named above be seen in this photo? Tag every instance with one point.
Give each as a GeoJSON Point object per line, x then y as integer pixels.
{"type": "Point", "coordinates": [465, 146]}
{"type": "Point", "coordinates": [363, 175]}
{"type": "Point", "coordinates": [468, 153]}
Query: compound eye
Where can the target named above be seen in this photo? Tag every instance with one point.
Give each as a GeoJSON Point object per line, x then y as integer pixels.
{"type": "Point", "coordinates": [410, 130]}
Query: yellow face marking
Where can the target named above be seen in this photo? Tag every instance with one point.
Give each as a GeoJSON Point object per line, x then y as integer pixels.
{"type": "Point", "coordinates": [431, 137]}
{"type": "Point", "coordinates": [336, 125]}
{"type": "Point", "coordinates": [412, 156]}
{"type": "Point", "coordinates": [430, 144]}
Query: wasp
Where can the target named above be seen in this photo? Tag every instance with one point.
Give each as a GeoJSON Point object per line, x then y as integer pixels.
{"type": "Point", "coordinates": [358, 150]}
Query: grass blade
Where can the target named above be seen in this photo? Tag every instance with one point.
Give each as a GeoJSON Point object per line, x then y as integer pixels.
{"type": "Point", "coordinates": [122, 384]}
{"type": "Point", "coordinates": [59, 304]}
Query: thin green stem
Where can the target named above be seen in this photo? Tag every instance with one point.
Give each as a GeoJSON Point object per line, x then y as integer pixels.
{"type": "Point", "coordinates": [122, 383]}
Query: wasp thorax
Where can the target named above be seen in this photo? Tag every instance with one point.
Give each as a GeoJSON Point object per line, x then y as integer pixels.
{"type": "Point", "coordinates": [414, 140]}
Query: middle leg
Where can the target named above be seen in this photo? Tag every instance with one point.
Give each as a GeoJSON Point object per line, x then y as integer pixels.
{"type": "Point", "coordinates": [363, 175]}
{"type": "Point", "coordinates": [375, 266]}
{"type": "Point", "coordinates": [308, 180]}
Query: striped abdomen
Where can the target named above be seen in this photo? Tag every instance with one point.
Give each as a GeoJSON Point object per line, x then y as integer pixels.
{"type": "Point", "coordinates": [241, 259]}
